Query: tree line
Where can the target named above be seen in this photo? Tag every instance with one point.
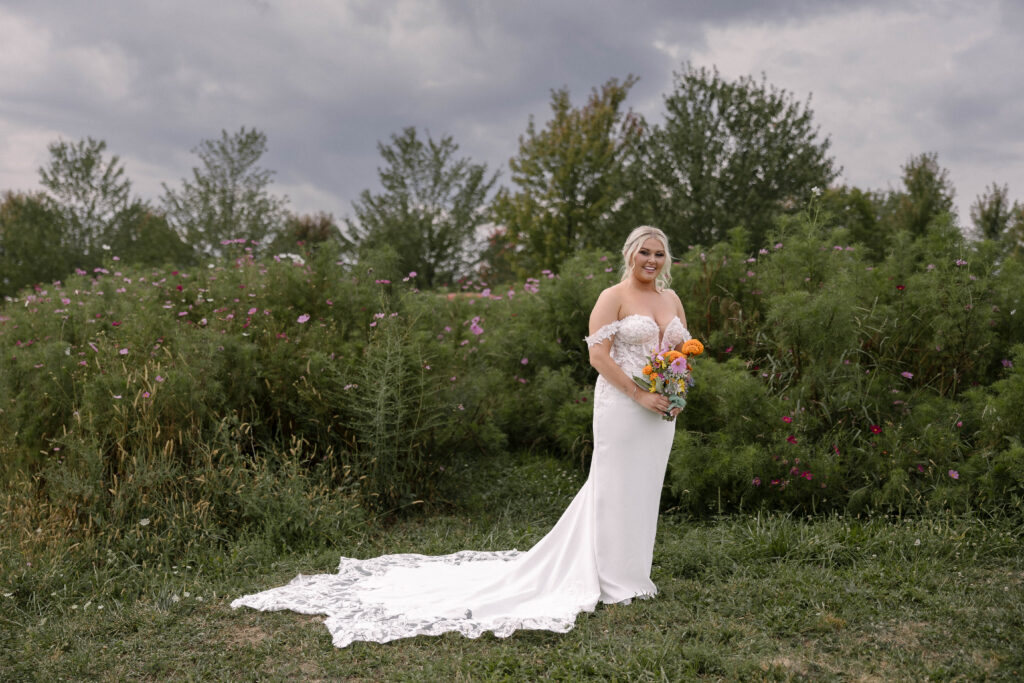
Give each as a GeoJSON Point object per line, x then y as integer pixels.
{"type": "Point", "coordinates": [728, 154]}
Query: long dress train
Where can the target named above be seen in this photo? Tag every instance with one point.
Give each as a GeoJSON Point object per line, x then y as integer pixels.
{"type": "Point", "coordinates": [599, 550]}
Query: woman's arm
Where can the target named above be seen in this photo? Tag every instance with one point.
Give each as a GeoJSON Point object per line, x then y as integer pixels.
{"type": "Point", "coordinates": [680, 313]}
{"type": "Point", "coordinates": [606, 312]}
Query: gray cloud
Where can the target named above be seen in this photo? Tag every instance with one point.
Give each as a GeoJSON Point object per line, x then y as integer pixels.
{"type": "Point", "coordinates": [327, 80]}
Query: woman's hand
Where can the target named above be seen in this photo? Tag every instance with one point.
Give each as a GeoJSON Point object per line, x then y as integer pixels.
{"type": "Point", "coordinates": [656, 403]}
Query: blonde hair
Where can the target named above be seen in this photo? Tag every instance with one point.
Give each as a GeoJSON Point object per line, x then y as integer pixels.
{"type": "Point", "coordinates": [632, 247]}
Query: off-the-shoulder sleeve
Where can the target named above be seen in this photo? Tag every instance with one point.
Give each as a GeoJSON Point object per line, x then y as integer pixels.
{"type": "Point", "coordinates": [606, 332]}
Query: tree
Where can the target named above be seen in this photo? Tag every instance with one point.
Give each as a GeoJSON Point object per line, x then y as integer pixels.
{"type": "Point", "coordinates": [141, 235]}
{"type": "Point", "coordinates": [569, 180]}
{"type": "Point", "coordinates": [227, 197]}
{"type": "Point", "coordinates": [928, 194]}
{"type": "Point", "coordinates": [304, 230]}
{"type": "Point", "coordinates": [88, 191]}
{"type": "Point", "coordinates": [429, 211]}
{"type": "Point", "coordinates": [32, 247]}
{"type": "Point", "coordinates": [730, 153]}
{"type": "Point", "coordinates": [992, 215]}
{"type": "Point", "coordinates": [94, 211]}
{"type": "Point", "coordinates": [860, 213]}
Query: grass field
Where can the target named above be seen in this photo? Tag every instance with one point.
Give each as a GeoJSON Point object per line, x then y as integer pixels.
{"type": "Point", "coordinates": [766, 597]}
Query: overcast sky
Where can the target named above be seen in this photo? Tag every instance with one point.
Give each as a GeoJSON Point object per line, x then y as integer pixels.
{"type": "Point", "coordinates": [327, 79]}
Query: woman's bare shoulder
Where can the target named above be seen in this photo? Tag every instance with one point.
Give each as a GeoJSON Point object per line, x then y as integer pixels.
{"type": "Point", "coordinates": [606, 310]}
{"type": "Point", "coordinates": [677, 303]}
{"type": "Point", "coordinates": [673, 297]}
{"type": "Point", "coordinates": [613, 293]}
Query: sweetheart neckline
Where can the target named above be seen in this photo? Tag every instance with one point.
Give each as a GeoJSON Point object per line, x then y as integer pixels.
{"type": "Point", "coordinates": [661, 332]}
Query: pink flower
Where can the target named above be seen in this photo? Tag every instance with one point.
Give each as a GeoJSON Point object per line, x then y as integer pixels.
{"type": "Point", "coordinates": [304, 318]}
{"type": "Point", "coordinates": [412, 273]}
{"type": "Point", "coordinates": [159, 378]}
{"type": "Point", "coordinates": [123, 352]}
{"type": "Point", "coordinates": [791, 439]}
{"type": "Point", "coordinates": [756, 481]}
{"type": "Point", "coordinates": [875, 429]}
{"type": "Point", "coordinates": [959, 423]}
{"type": "Point", "coordinates": [901, 287]}
{"type": "Point", "coordinates": [954, 474]}
{"type": "Point", "coordinates": [787, 419]}
{"type": "Point", "coordinates": [251, 311]}
{"type": "Point", "coordinates": [908, 375]}
{"type": "Point", "coordinates": [525, 360]}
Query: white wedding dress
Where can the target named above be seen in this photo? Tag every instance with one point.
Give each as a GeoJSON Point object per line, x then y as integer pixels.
{"type": "Point", "coordinates": [600, 549]}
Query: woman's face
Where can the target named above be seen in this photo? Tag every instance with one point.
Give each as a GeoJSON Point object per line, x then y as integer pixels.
{"type": "Point", "coordinates": [649, 260]}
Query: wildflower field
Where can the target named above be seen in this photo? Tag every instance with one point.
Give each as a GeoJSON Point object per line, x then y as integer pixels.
{"type": "Point", "coordinates": [162, 428]}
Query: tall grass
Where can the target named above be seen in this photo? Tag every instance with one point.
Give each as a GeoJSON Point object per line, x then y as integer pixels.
{"type": "Point", "coordinates": [831, 382]}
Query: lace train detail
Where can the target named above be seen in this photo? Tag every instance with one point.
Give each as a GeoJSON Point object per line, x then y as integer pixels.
{"type": "Point", "coordinates": [399, 596]}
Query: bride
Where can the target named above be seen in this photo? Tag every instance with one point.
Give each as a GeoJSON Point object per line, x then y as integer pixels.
{"type": "Point", "coordinates": [601, 548]}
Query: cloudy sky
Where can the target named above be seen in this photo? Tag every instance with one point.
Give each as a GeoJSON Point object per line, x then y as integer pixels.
{"type": "Point", "coordinates": [327, 79]}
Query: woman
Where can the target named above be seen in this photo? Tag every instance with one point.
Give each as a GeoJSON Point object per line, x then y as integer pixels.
{"type": "Point", "coordinates": [600, 549]}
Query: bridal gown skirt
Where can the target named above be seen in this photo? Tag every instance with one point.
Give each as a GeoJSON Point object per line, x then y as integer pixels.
{"type": "Point", "coordinates": [600, 550]}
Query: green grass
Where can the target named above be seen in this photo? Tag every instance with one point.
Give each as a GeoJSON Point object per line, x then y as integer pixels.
{"type": "Point", "coordinates": [767, 597]}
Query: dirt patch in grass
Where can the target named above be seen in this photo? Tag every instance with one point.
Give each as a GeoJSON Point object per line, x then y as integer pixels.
{"type": "Point", "coordinates": [244, 635]}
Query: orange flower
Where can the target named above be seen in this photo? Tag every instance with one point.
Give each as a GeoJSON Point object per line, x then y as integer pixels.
{"type": "Point", "coordinates": [693, 348]}
{"type": "Point", "coordinates": [672, 355]}
{"type": "Point", "coordinates": [648, 369]}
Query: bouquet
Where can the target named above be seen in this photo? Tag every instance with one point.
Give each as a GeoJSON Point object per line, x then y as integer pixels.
{"type": "Point", "coordinates": [669, 374]}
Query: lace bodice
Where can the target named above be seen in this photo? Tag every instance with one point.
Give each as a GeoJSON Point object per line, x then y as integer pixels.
{"type": "Point", "coordinates": [635, 337]}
